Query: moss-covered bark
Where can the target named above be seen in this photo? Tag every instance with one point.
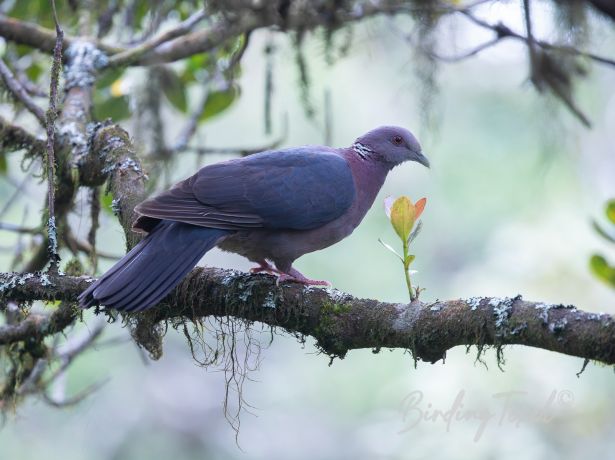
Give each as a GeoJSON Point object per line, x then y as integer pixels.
{"type": "Point", "coordinates": [338, 321]}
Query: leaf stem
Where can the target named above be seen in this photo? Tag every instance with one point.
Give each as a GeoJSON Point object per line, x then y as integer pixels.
{"type": "Point", "coordinates": [406, 273]}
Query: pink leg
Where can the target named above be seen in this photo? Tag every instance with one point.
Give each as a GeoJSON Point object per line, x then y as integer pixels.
{"type": "Point", "coordinates": [295, 276]}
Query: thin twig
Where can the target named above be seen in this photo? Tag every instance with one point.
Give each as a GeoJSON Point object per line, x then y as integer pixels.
{"type": "Point", "coordinates": [269, 62]}
{"type": "Point", "coordinates": [74, 347]}
{"type": "Point", "coordinates": [15, 195]}
{"type": "Point", "coordinates": [19, 247]}
{"type": "Point", "coordinates": [74, 399]}
{"type": "Point", "coordinates": [19, 229]}
{"type": "Point", "coordinates": [190, 128]}
{"type": "Point", "coordinates": [328, 117]}
{"type": "Point", "coordinates": [20, 93]}
{"type": "Point", "coordinates": [467, 54]}
{"type": "Point", "coordinates": [52, 114]}
{"type": "Point", "coordinates": [569, 102]}
{"type": "Point", "coordinates": [32, 88]}
{"type": "Point", "coordinates": [94, 224]}
{"type": "Point", "coordinates": [531, 44]}
{"type": "Point", "coordinates": [132, 55]}
{"type": "Point", "coordinates": [86, 248]}
{"type": "Point", "coordinates": [241, 151]}
{"type": "Point", "coordinates": [503, 31]}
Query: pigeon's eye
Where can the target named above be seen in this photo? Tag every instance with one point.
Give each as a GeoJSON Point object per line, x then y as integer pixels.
{"type": "Point", "coordinates": [397, 140]}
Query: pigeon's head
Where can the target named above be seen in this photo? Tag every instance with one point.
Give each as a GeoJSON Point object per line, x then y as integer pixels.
{"type": "Point", "coordinates": [391, 145]}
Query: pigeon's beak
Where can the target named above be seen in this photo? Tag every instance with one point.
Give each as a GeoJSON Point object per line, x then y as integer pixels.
{"type": "Point", "coordinates": [422, 159]}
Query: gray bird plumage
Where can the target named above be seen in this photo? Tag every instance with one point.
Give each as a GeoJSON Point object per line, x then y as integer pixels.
{"type": "Point", "coordinates": [271, 207]}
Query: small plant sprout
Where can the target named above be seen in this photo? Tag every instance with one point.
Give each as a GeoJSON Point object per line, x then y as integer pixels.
{"type": "Point", "coordinates": [403, 215]}
{"type": "Point", "coordinates": [598, 263]}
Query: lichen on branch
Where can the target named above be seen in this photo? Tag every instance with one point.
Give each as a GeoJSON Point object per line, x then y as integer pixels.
{"type": "Point", "coordinates": [340, 322]}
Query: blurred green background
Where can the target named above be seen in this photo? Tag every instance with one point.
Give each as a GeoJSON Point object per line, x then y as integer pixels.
{"type": "Point", "coordinates": [514, 184]}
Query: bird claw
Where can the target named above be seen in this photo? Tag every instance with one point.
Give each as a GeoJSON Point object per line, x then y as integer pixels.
{"type": "Point", "coordinates": [264, 267]}
{"type": "Point", "coordinates": [293, 276]}
{"type": "Point", "coordinates": [301, 280]}
{"type": "Point", "coordinates": [255, 270]}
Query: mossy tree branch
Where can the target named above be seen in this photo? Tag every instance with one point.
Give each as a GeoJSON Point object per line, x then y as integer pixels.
{"type": "Point", "coordinates": [13, 138]}
{"type": "Point", "coordinates": [340, 322]}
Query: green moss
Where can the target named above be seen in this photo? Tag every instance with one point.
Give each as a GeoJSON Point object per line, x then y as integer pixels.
{"type": "Point", "coordinates": [329, 316]}
{"type": "Point", "coordinates": [74, 267]}
{"type": "Point", "coordinates": [327, 332]}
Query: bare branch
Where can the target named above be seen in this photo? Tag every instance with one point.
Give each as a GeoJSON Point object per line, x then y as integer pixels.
{"type": "Point", "coordinates": [132, 55]}
{"type": "Point", "coordinates": [240, 151]}
{"type": "Point", "coordinates": [76, 399]}
{"type": "Point", "coordinates": [531, 42]}
{"type": "Point", "coordinates": [39, 37]}
{"type": "Point", "coordinates": [52, 113]}
{"type": "Point", "coordinates": [543, 69]}
{"type": "Point", "coordinates": [18, 229]}
{"type": "Point", "coordinates": [94, 224]}
{"type": "Point", "coordinates": [181, 144]}
{"type": "Point", "coordinates": [468, 54]}
{"type": "Point", "coordinates": [192, 43]}
{"type": "Point", "coordinates": [87, 248]}
{"type": "Point", "coordinates": [502, 31]}
{"type": "Point", "coordinates": [76, 346]}
{"type": "Point", "coordinates": [571, 105]}
{"type": "Point", "coordinates": [190, 128]}
{"type": "Point", "coordinates": [18, 191]}
{"type": "Point", "coordinates": [19, 92]}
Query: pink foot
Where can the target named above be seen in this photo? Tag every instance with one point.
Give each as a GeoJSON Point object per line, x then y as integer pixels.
{"type": "Point", "coordinates": [264, 267]}
{"type": "Point", "coordinates": [296, 277]}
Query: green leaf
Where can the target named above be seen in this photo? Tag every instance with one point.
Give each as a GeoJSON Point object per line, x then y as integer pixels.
{"type": "Point", "coordinates": [34, 71]}
{"type": "Point", "coordinates": [108, 77]}
{"type": "Point", "coordinates": [610, 211]}
{"type": "Point", "coordinates": [232, 46]}
{"type": "Point", "coordinates": [116, 108]}
{"type": "Point", "coordinates": [602, 269]}
{"type": "Point", "coordinates": [402, 217]}
{"type": "Point", "coordinates": [218, 101]}
{"type": "Point", "coordinates": [390, 248]}
{"type": "Point", "coordinates": [3, 164]}
{"type": "Point", "coordinates": [196, 66]}
{"type": "Point", "coordinates": [106, 199]}
{"type": "Point", "coordinates": [174, 90]}
{"type": "Point", "coordinates": [37, 11]}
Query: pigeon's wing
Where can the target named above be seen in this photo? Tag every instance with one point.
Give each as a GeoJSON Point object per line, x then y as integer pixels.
{"type": "Point", "coordinates": [297, 189]}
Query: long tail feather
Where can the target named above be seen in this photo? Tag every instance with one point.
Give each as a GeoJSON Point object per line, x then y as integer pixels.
{"type": "Point", "coordinates": [152, 268]}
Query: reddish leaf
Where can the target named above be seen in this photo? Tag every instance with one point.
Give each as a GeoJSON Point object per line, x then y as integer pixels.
{"type": "Point", "coordinates": [418, 208]}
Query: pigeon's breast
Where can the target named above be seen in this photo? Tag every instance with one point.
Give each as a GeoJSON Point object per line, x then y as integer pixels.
{"type": "Point", "coordinates": [285, 245]}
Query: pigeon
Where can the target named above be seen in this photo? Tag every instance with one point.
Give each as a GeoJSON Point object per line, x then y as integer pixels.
{"type": "Point", "coordinates": [271, 207]}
